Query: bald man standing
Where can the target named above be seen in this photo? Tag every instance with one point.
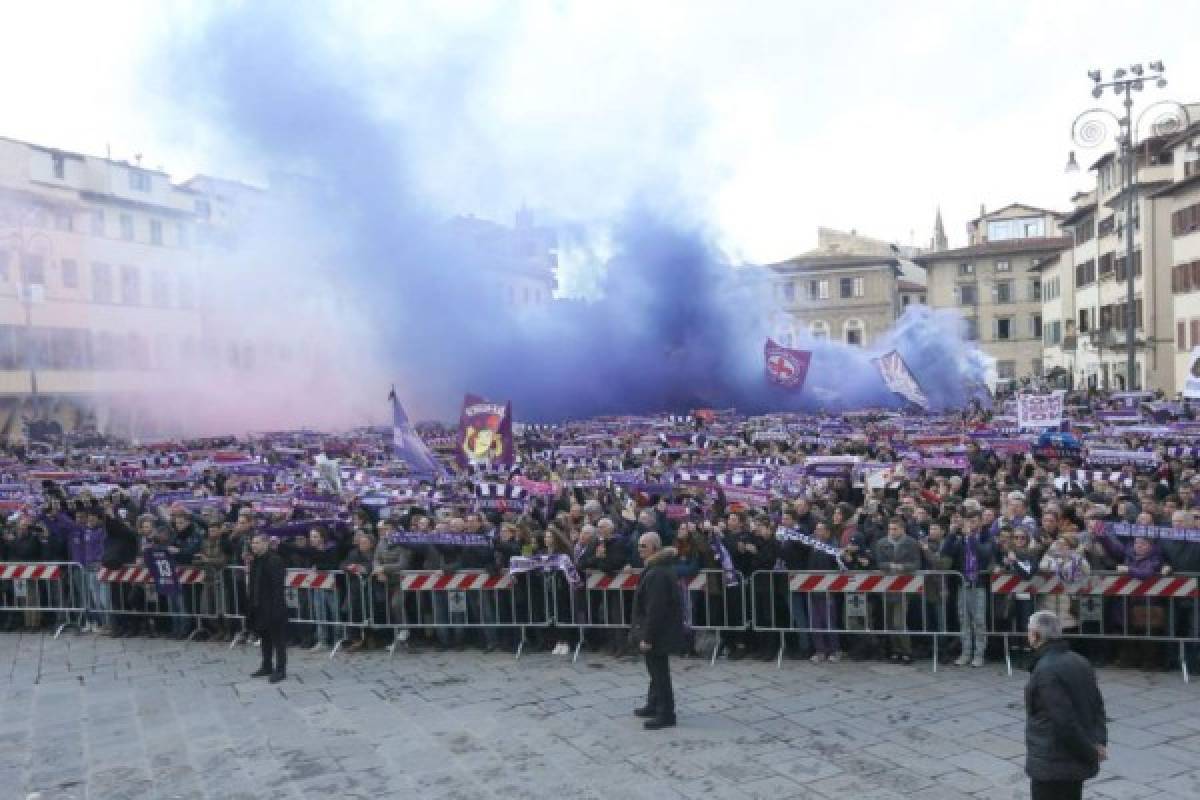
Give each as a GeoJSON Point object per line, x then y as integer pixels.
{"type": "Point", "coordinates": [657, 627]}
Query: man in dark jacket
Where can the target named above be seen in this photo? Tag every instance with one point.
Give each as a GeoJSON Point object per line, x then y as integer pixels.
{"type": "Point", "coordinates": [268, 608]}
{"type": "Point", "coordinates": [657, 628]}
{"type": "Point", "coordinates": [972, 556]}
{"type": "Point", "coordinates": [1066, 736]}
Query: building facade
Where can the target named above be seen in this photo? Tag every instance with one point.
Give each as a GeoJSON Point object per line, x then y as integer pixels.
{"type": "Point", "coordinates": [1182, 203]}
{"type": "Point", "coordinates": [848, 298]}
{"type": "Point", "coordinates": [997, 284]}
{"type": "Point", "coordinates": [1099, 231]}
{"type": "Point", "coordinates": [115, 282]}
{"type": "Point", "coordinates": [98, 278]}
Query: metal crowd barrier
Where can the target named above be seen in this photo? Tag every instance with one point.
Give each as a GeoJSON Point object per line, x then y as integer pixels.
{"type": "Point", "coordinates": [605, 602]}
{"type": "Point", "coordinates": [860, 604]}
{"type": "Point", "coordinates": [29, 590]}
{"type": "Point", "coordinates": [317, 598]}
{"type": "Point", "coordinates": [1110, 606]}
{"type": "Point", "coordinates": [452, 602]}
{"type": "Point", "coordinates": [131, 592]}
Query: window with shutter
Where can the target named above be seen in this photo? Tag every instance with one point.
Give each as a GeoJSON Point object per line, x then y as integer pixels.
{"type": "Point", "coordinates": [1195, 332]}
{"type": "Point", "coordinates": [1181, 336]}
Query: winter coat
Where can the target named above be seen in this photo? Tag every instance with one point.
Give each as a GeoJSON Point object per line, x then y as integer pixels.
{"type": "Point", "coordinates": [1064, 716]}
{"type": "Point", "coordinates": [658, 606]}
{"type": "Point", "coordinates": [267, 607]}
{"type": "Point", "coordinates": [86, 545]}
{"type": "Point", "coordinates": [954, 547]}
{"type": "Point", "coordinates": [1146, 567]}
{"type": "Point", "coordinates": [905, 553]}
{"type": "Point", "coordinates": [392, 558]}
{"type": "Point", "coordinates": [25, 547]}
{"type": "Point", "coordinates": [189, 541]}
{"type": "Point", "coordinates": [120, 544]}
{"type": "Point", "coordinates": [616, 555]}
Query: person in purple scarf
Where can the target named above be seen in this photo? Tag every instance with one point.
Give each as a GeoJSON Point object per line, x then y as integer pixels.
{"type": "Point", "coordinates": [972, 556]}
{"type": "Point", "coordinates": [85, 546]}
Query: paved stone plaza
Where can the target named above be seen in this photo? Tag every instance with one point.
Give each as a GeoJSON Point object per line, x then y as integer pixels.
{"type": "Point", "coordinates": [126, 718]}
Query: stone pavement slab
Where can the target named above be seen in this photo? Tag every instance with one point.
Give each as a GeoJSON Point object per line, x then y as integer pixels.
{"type": "Point", "coordinates": [90, 717]}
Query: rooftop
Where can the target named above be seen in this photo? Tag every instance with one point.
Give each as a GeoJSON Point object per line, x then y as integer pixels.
{"type": "Point", "coordinates": [1042, 244]}
{"type": "Point", "coordinates": [825, 262]}
{"type": "Point", "coordinates": [1011, 206]}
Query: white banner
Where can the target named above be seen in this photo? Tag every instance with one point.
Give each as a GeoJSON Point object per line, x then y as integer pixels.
{"type": "Point", "coordinates": [1040, 410]}
{"type": "Point", "coordinates": [1191, 379]}
{"type": "Point", "coordinates": [899, 378]}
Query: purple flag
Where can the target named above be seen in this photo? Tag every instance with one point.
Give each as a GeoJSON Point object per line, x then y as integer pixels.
{"type": "Point", "coordinates": [408, 446]}
{"type": "Point", "coordinates": [485, 433]}
{"type": "Point", "coordinates": [786, 367]}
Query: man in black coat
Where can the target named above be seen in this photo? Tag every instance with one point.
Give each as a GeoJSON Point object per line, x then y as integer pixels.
{"type": "Point", "coordinates": [1066, 736]}
{"type": "Point", "coordinates": [267, 608]}
{"type": "Point", "coordinates": [657, 627]}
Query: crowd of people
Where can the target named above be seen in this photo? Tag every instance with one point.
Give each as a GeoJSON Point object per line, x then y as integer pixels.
{"type": "Point", "coordinates": [958, 496]}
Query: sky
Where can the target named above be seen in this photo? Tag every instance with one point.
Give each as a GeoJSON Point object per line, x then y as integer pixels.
{"type": "Point", "coordinates": [769, 119]}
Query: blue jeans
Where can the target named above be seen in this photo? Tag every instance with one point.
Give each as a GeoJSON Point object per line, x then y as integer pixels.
{"type": "Point", "coordinates": [799, 605]}
{"type": "Point", "coordinates": [972, 619]}
{"type": "Point", "coordinates": [325, 609]}
{"type": "Point", "coordinates": [95, 592]}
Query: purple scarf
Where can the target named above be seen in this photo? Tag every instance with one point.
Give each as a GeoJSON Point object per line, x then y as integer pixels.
{"type": "Point", "coordinates": [970, 559]}
{"type": "Point", "coordinates": [545, 563]}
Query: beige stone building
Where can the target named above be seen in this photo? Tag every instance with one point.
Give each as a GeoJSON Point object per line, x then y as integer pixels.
{"type": "Point", "coordinates": [98, 278]}
{"type": "Point", "coordinates": [851, 288]}
{"type": "Point", "coordinates": [1059, 339]}
{"type": "Point", "coordinates": [1182, 203]}
{"type": "Point", "coordinates": [1100, 295]}
{"type": "Point", "coordinates": [115, 282]}
{"type": "Point", "coordinates": [850, 298]}
{"type": "Point", "coordinates": [996, 282]}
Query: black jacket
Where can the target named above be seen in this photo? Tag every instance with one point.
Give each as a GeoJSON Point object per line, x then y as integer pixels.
{"type": "Point", "coordinates": [658, 606]}
{"type": "Point", "coordinates": [954, 547]}
{"type": "Point", "coordinates": [120, 544]}
{"type": "Point", "coordinates": [1064, 716]}
{"type": "Point", "coordinates": [616, 555]}
{"type": "Point", "coordinates": [267, 607]}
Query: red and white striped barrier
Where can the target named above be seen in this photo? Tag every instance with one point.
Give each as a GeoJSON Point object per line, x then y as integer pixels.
{"type": "Point", "coordinates": [186, 575]}
{"type": "Point", "coordinates": [628, 580]}
{"type": "Point", "coordinates": [30, 572]}
{"type": "Point", "coordinates": [856, 583]}
{"type": "Point", "coordinates": [1110, 585]}
{"type": "Point", "coordinates": [455, 582]}
{"type": "Point", "coordinates": [308, 579]}
{"type": "Point", "coordinates": [622, 581]}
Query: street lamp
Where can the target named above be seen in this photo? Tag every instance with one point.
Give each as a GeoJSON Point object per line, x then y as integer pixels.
{"type": "Point", "coordinates": [1094, 127]}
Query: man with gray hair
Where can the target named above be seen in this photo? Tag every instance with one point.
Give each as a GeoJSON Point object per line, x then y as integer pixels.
{"type": "Point", "coordinates": [1066, 736]}
{"type": "Point", "coordinates": [657, 629]}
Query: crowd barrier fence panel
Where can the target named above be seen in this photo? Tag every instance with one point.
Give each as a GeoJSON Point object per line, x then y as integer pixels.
{"type": "Point", "coordinates": [450, 602]}
{"type": "Point", "coordinates": [605, 602]}
{"type": "Point", "coordinates": [1108, 606]}
{"type": "Point", "coordinates": [851, 604]}
{"type": "Point", "coordinates": [313, 597]}
{"type": "Point", "coordinates": [130, 591]}
{"type": "Point", "coordinates": [34, 589]}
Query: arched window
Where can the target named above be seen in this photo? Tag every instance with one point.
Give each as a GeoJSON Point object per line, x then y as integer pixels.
{"type": "Point", "coordinates": [854, 332]}
{"type": "Point", "coordinates": [819, 329]}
